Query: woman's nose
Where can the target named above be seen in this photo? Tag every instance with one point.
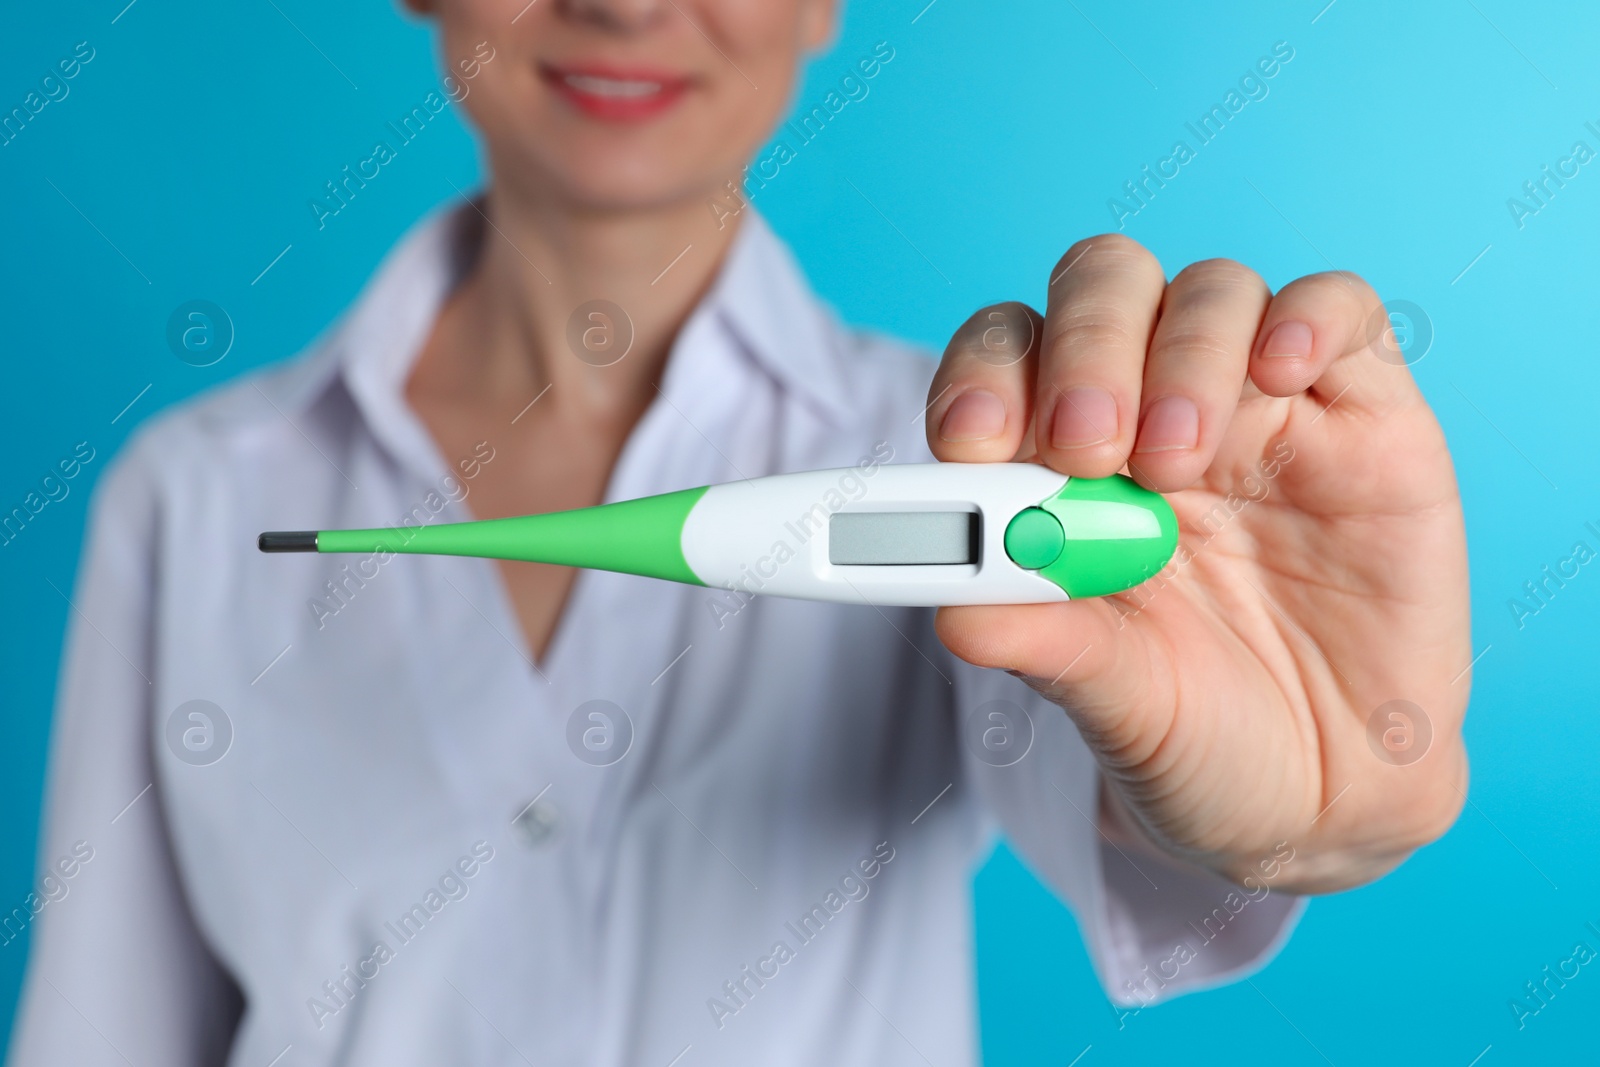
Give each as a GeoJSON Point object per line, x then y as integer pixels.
{"type": "Point", "coordinates": [628, 16]}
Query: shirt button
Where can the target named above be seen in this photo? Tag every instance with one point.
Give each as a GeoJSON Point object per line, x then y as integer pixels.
{"type": "Point", "coordinates": [537, 822]}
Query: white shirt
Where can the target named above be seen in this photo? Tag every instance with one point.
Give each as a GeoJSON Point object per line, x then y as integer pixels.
{"type": "Point", "coordinates": [774, 868]}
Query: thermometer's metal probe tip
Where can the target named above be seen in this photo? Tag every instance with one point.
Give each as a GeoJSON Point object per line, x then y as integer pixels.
{"type": "Point", "coordinates": [288, 541]}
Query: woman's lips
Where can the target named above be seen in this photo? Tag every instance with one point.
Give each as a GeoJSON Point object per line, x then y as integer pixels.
{"type": "Point", "coordinates": [615, 94]}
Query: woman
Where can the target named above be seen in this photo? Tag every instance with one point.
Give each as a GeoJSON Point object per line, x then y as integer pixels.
{"type": "Point", "coordinates": [446, 810]}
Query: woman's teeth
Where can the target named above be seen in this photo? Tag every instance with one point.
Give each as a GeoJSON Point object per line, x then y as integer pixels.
{"type": "Point", "coordinates": [615, 87]}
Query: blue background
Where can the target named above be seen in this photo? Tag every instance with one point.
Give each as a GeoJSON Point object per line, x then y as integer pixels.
{"type": "Point", "coordinates": [1389, 145]}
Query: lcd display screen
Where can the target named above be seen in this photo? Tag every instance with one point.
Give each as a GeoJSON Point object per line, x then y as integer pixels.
{"type": "Point", "coordinates": [902, 538]}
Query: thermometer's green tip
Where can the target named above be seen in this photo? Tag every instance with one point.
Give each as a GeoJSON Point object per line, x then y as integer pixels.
{"type": "Point", "coordinates": [643, 536]}
{"type": "Point", "coordinates": [1096, 536]}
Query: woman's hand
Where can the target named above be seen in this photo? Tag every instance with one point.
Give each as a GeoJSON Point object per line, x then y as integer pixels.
{"type": "Point", "coordinates": [1242, 697]}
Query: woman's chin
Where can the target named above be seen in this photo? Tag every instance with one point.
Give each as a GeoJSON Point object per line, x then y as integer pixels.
{"type": "Point", "coordinates": [613, 184]}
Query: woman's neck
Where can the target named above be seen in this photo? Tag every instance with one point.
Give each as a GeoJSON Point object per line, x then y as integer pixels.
{"type": "Point", "coordinates": [503, 372]}
{"type": "Point", "coordinates": [526, 321]}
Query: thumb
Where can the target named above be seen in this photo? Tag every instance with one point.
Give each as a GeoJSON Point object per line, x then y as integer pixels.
{"type": "Point", "coordinates": [1100, 666]}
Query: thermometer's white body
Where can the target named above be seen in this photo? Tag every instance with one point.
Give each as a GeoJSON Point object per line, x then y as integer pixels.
{"type": "Point", "coordinates": [770, 535]}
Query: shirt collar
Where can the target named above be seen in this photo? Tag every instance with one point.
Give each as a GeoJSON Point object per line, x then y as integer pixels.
{"type": "Point", "coordinates": [386, 329]}
{"type": "Point", "coordinates": [762, 296]}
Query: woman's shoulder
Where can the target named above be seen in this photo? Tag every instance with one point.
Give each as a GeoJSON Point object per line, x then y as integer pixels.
{"type": "Point", "coordinates": [883, 370]}
{"type": "Point", "coordinates": [883, 355]}
{"type": "Point", "coordinates": [210, 438]}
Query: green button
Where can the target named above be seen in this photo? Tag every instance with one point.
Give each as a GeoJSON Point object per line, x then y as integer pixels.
{"type": "Point", "coordinates": [1034, 538]}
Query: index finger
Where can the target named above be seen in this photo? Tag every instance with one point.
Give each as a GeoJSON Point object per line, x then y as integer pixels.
{"type": "Point", "coordinates": [980, 400]}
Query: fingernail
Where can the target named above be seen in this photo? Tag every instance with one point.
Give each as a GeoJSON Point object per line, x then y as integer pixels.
{"type": "Point", "coordinates": [973, 416]}
{"type": "Point", "coordinates": [1292, 339]}
{"type": "Point", "coordinates": [1171, 423]}
{"type": "Point", "coordinates": [1085, 416]}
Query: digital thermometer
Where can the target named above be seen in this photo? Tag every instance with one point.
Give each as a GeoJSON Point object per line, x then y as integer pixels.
{"type": "Point", "coordinates": [929, 534]}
